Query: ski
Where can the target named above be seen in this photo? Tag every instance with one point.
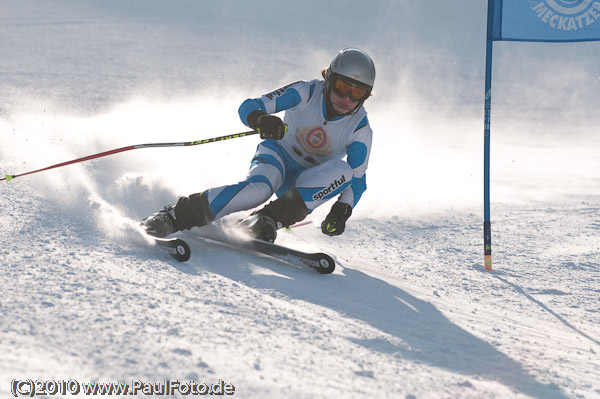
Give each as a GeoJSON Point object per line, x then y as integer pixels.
{"type": "Point", "coordinates": [175, 247]}
{"type": "Point", "coordinates": [318, 261]}
{"type": "Point", "coordinates": [180, 250]}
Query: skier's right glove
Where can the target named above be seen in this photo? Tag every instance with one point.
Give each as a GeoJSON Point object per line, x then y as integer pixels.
{"type": "Point", "coordinates": [268, 126]}
{"type": "Point", "coordinates": [335, 223]}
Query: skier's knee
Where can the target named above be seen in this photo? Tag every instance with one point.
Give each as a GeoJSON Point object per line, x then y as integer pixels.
{"type": "Point", "coordinates": [261, 188]}
{"type": "Point", "coordinates": [344, 170]}
{"type": "Point", "coordinates": [331, 179]}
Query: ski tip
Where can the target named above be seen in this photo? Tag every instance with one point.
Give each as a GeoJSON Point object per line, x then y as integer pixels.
{"type": "Point", "coordinates": [183, 251]}
{"type": "Point", "coordinates": [180, 250]}
{"type": "Point", "coordinates": [175, 247]}
{"type": "Point", "coordinates": [326, 264]}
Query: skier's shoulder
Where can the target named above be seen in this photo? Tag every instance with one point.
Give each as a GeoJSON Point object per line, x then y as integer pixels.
{"type": "Point", "coordinates": [300, 86]}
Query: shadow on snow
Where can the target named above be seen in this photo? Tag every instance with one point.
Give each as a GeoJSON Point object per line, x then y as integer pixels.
{"type": "Point", "coordinates": [426, 335]}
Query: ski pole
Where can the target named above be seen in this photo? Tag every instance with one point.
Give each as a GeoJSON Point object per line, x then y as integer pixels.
{"type": "Point", "coordinates": [299, 224]}
{"type": "Point", "coordinates": [135, 147]}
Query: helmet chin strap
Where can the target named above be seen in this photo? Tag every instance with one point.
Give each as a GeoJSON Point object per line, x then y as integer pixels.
{"type": "Point", "coordinates": [331, 112]}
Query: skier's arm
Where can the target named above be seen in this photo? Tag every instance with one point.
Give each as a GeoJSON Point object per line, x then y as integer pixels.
{"type": "Point", "coordinates": [358, 157]}
{"type": "Point", "coordinates": [279, 100]}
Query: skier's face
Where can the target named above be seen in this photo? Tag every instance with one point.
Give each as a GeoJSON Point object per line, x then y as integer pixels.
{"type": "Point", "coordinates": [345, 95]}
{"type": "Point", "coordinates": [342, 105]}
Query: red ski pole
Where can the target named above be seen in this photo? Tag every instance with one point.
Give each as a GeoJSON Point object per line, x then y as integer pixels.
{"type": "Point", "coordinates": [134, 147]}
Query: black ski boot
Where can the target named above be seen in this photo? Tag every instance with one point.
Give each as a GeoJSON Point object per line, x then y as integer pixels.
{"type": "Point", "coordinates": [283, 212]}
{"type": "Point", "coordinates": [260, 226]}
{"type": "Point", "coordinates": [162, 223]}
{"type": "Point", "coordinates": [192, 211]}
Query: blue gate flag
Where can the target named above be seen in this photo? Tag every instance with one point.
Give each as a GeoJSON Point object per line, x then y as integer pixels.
{"type": "Point", "coordinates": [528, 21]}
{"type": "Point", "coordinates": [546, 20]}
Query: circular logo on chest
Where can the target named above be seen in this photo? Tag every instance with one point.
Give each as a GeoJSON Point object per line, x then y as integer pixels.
{"type": "Point", "coordinates": [314, 141]}
{"type": "Point", "coordinates": [316, 138]}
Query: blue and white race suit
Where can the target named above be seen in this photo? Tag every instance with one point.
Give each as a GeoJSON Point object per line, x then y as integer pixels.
{"type": "Point", "coordinates": [309, 157]}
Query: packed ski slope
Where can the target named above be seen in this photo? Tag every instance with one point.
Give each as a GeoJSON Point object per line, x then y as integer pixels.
{"type": "Point", "coordinates": [410, 312]}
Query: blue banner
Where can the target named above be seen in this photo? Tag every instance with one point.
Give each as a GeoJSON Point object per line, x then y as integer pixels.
{"type": "Point", "coordinates": [546, 20]}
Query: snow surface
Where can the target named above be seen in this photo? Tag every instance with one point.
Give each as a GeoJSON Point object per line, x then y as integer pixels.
{"type": "Point", "coordinates": [410, 312]}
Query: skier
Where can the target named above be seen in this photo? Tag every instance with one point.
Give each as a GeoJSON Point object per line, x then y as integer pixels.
{"type": "Point", "coordinates": [325, 121]}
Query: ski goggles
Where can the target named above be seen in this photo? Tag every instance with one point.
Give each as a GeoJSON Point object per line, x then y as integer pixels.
{"type": "Point", "coordinates": [344, 88]}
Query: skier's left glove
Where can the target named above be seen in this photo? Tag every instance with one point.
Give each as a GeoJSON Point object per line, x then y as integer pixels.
{"type": "Point", "coordinates": [268, 126]}
{"type": "Point", "coordinates": [335, 223]}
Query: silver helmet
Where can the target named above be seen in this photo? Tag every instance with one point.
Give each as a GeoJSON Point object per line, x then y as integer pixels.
{"type": "Point", "coordinates": [353, 65]}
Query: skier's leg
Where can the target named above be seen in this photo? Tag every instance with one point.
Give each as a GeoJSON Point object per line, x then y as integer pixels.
{"type": "Point", "coordinates": [189, 212]}
{"type": "Point", "coordinates": [313, 187]}
{"type": "Point", "coordinates": [265, 176]}
{"type": "Point", "coordinates": [283, 212]}
{"type": "Point", "coordinates": [319, 184]}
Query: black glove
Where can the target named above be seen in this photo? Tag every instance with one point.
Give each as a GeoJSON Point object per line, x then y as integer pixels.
{"type": "Point", "coordinates": [268, 126]}
{"type": "Point", "coordinates": [335, 223]}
